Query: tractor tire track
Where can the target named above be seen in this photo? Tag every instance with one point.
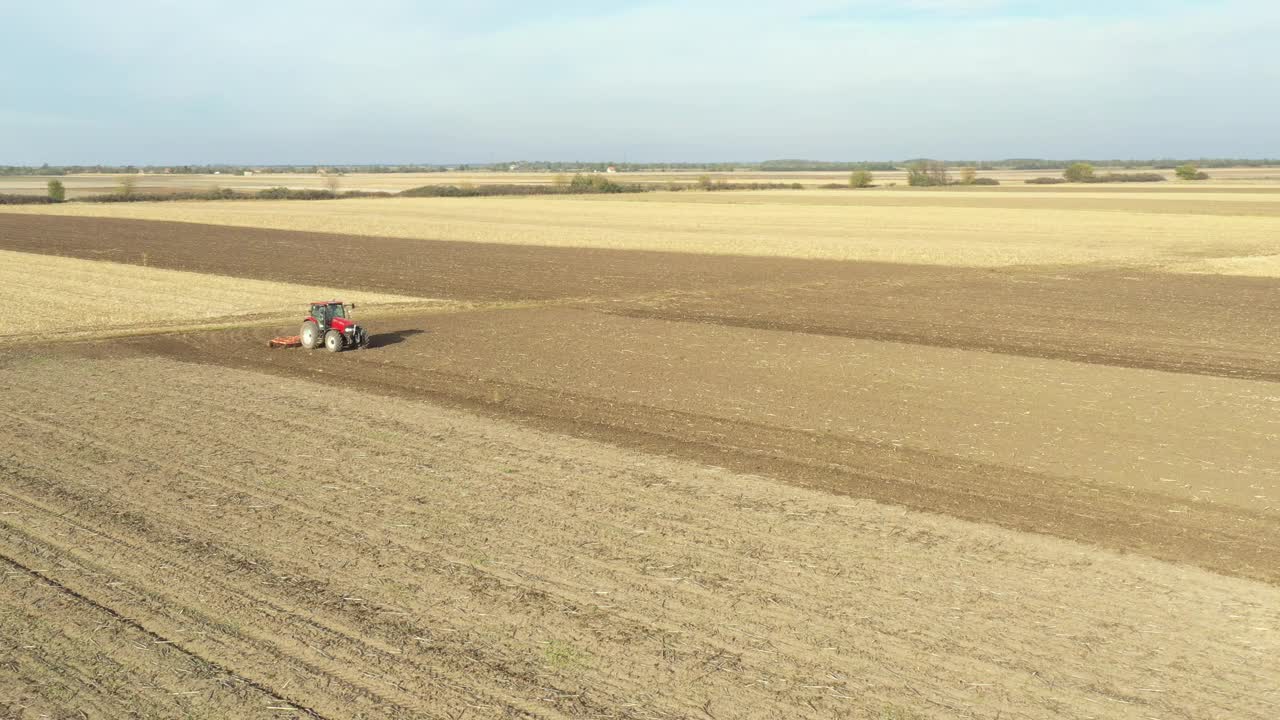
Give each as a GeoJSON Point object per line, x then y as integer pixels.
{"type": "Point", "coordinates": [156, 637]}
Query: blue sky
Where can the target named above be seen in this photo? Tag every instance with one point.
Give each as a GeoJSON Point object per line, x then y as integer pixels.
{"type": "Point", "coordinates": [321, 81]}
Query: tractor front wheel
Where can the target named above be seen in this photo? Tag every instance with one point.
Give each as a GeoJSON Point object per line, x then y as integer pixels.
{"type": "Point", "coordinates": [333, 341]}
{"type": "Point", "coordinates": [310, 335]}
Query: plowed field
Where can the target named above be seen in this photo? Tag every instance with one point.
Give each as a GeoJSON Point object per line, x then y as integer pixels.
{"type": "Point", "coordinates": [402, 560]}
{"type": "Point", "coordinates": [619, 483]}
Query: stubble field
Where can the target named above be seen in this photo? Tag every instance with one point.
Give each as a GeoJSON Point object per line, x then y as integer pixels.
{"type": "Point", "coordinates": [948, 229]}
{"type": "Point", "coordinates": [667, 456]}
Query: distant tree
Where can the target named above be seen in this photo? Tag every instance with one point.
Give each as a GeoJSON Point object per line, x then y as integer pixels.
{"type": "Point", "coordinates": [1078, 172]}
{"type": "Point", "coordinates": [917, 175]}
{"type": "Point", "coordinates": [1190, 172]}
{"type": "Point", "coordinates": [333, 183]}
{"type": "Point", "coordinates": [860, 179]}
{"type": "Point", "coordinates": [128, 184]}
{"type": "Point", "coordinates": [968, 175]}
{"type": "Point", "coordinates": [926, 173]}
{"type": "Point", "coordinates": [57, 192]}
{"type": "Point", "coordinates": [704, 182]}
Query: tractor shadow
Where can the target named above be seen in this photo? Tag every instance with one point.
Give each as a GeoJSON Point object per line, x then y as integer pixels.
{"type": "Point", "coordinates": [391, 338]}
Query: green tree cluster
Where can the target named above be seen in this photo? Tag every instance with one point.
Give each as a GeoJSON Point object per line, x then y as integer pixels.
{"type": "Point", "coordinates": [928, 173]}
{"type": "Point", "coordinates": [1190, 172]}
{"type": "Point", "coordinates": [1078, 172]}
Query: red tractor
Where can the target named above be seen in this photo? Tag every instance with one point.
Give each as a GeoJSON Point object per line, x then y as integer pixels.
{"type": "Point", "coordinates": [330, 322]}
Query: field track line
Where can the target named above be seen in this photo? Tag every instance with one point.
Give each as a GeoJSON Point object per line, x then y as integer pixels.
{"type": "Point", "coordinates": [156, 637]}
{"type": "Point", "coordinates": [1027, 349]}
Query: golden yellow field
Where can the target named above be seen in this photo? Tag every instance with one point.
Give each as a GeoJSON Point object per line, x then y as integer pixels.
{"type": "Point", "coordinates": [47, 295]}
{"type": "Point", "coordinates": [1171, 229]}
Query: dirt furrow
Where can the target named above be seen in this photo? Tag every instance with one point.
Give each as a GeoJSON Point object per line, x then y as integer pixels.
{"type": "Point", "coordinates": [64, 610]}
{"type": "Point", "coordinates": [331, 631]}
{"type": "Point", "coordinates": [149, 547]}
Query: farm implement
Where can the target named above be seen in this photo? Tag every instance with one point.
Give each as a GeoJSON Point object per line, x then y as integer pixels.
{"type": "Point", "coordinates": [329, 324]}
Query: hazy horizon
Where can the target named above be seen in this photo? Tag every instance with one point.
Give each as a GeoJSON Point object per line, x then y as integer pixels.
{"type": "Point", "coordinates": [392, 82]}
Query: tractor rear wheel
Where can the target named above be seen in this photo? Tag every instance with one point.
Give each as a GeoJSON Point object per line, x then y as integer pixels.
{"type": "Point", "coordinates": [333, 341]}
{"type": "Point", "coordinates": [310, 335]}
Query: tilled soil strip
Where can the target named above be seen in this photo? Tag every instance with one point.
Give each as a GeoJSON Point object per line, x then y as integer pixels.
{"type": "Point", "coordinates": [1204, 324]}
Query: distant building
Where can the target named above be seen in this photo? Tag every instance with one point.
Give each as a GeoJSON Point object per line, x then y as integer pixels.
{"type": "Point", "coordinates": [248, 172]}
{"type": "Point", "coordinates": [611, 169]}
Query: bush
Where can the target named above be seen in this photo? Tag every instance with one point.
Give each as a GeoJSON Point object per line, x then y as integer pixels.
{"type": "Point", "coordinates": [275, 193]}
{"type": "Point", "coordinates": [590, 184]}
{"type": "Point", "coordinates": [283, 193]}
{"type": "Point", "coordinates": [1078, 172]}
{"type": "Point", "coordinates": [1190, 172]}
{"type": "Point", "coordinates": [860, 179]}
{"type": "Point", "coordinates": [985, 181]}
{"type": "Point", "coordinates": [57, 192]}
{"type": "Point", "coordinates": [1045, 181]}
{"type": "Point", "coordinates": [834, 186]}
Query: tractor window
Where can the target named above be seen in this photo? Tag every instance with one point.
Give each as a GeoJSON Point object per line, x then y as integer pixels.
{"type": "Point", "coordinates": [337, 311]}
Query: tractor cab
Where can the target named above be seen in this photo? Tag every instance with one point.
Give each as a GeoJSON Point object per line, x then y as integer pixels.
{"type": "Point", "coordinates": [324, 313]}
{"type": "Point", "coordinates": [330, 322]}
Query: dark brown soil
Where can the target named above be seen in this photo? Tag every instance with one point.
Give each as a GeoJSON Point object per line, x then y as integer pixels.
{"type": "Point", "coordinates": [667, 401]}
{"type": "Point", "coordinates": [1202, 324]}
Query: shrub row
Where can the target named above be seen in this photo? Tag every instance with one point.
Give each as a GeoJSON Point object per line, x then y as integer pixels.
{"type": "Point", "coordinates": [25, 200]}
{"type": "Point", "coordinates": [722, 185]}
{"type": "Point", "coordinates": [585, 185]}
{"type": "Point", "coordinates": [1108, 178]}
{"type": "Point", "coordinates": [1126, 177]}
{"type": "Point", "coordinates": [495, 189]}
{"type": "Point", "coordinates": [276, 193]}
